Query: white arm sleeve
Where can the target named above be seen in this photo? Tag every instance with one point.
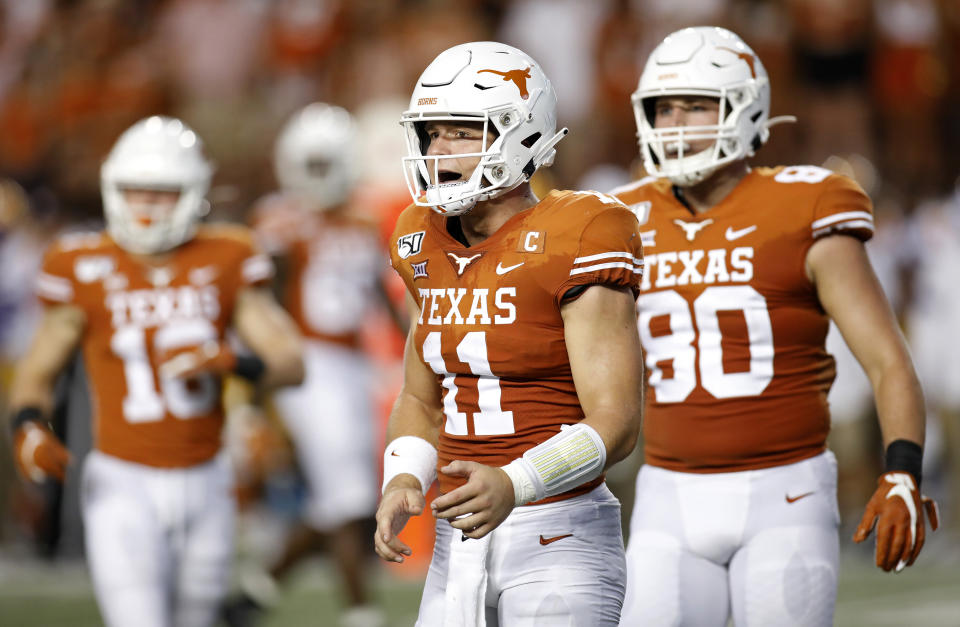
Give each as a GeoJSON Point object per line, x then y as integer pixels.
{"type": "Point", "coordinates": [410, 455]}
{"type": "Point", "coordinates": [572, 457]}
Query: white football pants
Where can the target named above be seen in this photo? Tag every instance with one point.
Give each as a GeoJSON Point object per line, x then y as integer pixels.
{"type": "Point", "coordinates": [330, 419]}
{"type": "Point", "coordinates": [760, 544]}
{"type": "Point", "coordinates": [559, 564]}
{"type": "Point", "coordinates": [159, 541]}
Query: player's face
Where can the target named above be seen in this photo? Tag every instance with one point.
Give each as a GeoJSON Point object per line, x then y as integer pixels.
{"type": "Point", "coordinates": [455, 138]}
{"type": "Point", "coordinates": [673, 111]}
{"type": "Point", "coordinates": [148, 205]}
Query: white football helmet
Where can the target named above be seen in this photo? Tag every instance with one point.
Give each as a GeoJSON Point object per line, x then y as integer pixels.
{"type": "Point", "coordinates": [315, 155]}
{"type": "Point", "coordinates": [504, 89]}
{"type": "Point", "coordinates": [715, 63]}
{"type": "Point", "coordinates": [157, 153]}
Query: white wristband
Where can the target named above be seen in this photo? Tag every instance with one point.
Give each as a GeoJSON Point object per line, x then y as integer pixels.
{"type": "Point", "coordinates": [568, 459]}
{"type": "Point", "coordinates": [523, 489]}
{"type": "Point", "coordinates": [410, 455]}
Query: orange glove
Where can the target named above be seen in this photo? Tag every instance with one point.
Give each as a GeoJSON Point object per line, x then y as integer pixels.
{"type": "Point", "coordinates": [896, 510]}
{"type": "Point", "coordinates": [38, 453]}
{"type": "Point", "coordinates": [211, 357]}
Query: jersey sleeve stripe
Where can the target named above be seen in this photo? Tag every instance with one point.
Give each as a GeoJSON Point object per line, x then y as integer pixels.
{"type": "Point", "coordinates": [257, 268]}
{"type": "Point", "coordinates": [589, 258]}
{"type": "Point", "coordinates": [54, 288]}
{"type": "Point", "coordinates": [604, 266]}
{"type": "Point", "coordinates": [850, 224]}
{"type": "Point", "coordinates": [841, 217]}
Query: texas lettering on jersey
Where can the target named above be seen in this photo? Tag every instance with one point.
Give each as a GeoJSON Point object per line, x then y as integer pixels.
{"type": "Point", "coordinates": [135, 315]}
{"type": "Point", "coordinates": [730, 324]}
{"type": "Point", "coordinates": [490, 324]}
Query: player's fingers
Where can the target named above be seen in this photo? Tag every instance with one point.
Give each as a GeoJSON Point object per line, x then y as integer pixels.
{"type": "Point", "coordinates": [933, 512]}
{"type": "Point", "coordinates": [384, 550]}
{"type": "Point", "coordinates": [899, 548]}
{"type": "Point", "coordinates": [180, 365]}
{"type": "Point", "coordinates": [469, 521]}
{"type": "Point", "coordinates": [480, 531]}
{"type": "Point", "coordinates": [867, 523]}
{"type": "Point", "coordinates": [57, 467]}
{"type": "Point", "coordinates": [884, 539]}
{"type": "Point", "coordinates": [459, 468]}
{"type": "Point", "coordinates": [413, 504]}
{"type": "Point", "coordinates": [918, 546]}
{"type": "Point", "coordinates": [386, 543]}
{"type": "Point", "coordinates": [456, 511]}
{"type": "Point", "coordinates": [442, 504]}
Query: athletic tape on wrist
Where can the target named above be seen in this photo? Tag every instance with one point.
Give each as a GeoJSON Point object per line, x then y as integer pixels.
{"type": "Point", "coordinates": [570, 458]}
{"type": "Point", "coordinates": [410, 455]}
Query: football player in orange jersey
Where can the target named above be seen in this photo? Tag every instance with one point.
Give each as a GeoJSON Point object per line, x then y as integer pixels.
{"type": "Point", "coordinates": [149, 301]}
{"type": "Point", "coordinates": [334, 265]}
{"type": "Point", "coordinates": [523, 371]}
{"type": "Point", "coordinates": [736, 510]}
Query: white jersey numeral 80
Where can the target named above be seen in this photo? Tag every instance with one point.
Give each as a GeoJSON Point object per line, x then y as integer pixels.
{"type": "Point", "coordinates": [143, 403]}
{"type": "Point", "coordinates": [472, 350]}
{"type": "Point", "coordinates": [678, 347]}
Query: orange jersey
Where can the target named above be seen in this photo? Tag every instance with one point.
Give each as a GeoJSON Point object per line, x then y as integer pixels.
{"type": "Point", "coordinates": [732, 329]}
{"type": "Point", "coordinates": [134, 314]}
{"type": "Point", "coordinates": [335, 264]}
{"type": "Point", "coordinates": [490, 324]}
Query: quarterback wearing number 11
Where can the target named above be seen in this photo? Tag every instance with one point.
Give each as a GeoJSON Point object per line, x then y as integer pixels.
{"type": "Point", "coordinates": [523, 371]}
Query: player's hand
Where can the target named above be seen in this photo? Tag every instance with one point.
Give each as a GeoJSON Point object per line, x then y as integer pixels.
{"type": "Point", "coordinates": [209, 358]}
{"type": "Point", "coordinates": [401, 500]}
{"type": "Point", "coordinates": [896, 511]}
{"type": "Point", "coordinates": [479, 506]}
{"type": "Point", "coordinates": [39, 454]}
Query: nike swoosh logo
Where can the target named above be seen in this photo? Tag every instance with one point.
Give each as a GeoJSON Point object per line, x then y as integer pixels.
{"type": "Point", "coordinates": [794, 499]}
{"type": "Point", "coordinates": [732, 234]}
{"type": "Point", "coordinates": [394, 453]}
{"type": "Point", "coordinates": [546, 541]}
{"type": "Point", "coordinates": [502, 270]}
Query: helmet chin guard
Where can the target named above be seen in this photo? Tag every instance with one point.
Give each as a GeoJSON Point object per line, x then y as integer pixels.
{"type": "Point", "coordinates": [499, 87]}
{"type": "Point", "coordinates": [709, 62]}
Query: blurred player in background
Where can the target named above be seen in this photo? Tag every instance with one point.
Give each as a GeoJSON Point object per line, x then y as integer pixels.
{"type": "Point", "coordinates": [522, 372]}
{"type": "Point", "coordinates": [149, 302]}
{"type": "Point", "coordinates": [736, 508]}
{"type": "Point", "coordinates": [333, 265]}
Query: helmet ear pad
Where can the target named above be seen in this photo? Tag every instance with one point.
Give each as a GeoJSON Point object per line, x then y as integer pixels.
{"type": "Point", "coordinates": [499, 87]}
{"type": "Point", "coordinates": [711, 62]}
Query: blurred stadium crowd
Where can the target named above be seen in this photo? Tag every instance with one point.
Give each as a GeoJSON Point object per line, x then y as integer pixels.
{"type": "Point", "coordinates": [875, 85]}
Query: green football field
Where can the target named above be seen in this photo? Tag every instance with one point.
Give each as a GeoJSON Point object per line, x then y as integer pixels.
{"type": "Point", "coordinates": [35, 595]}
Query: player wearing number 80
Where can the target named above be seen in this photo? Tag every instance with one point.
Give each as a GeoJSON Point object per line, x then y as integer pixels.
{"type": "Point", "coordinates": [149, 301]}
{"type": "Point", "coordinates": [522, 369]}
{"type": "Point", "coordinates": [736, 506]}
